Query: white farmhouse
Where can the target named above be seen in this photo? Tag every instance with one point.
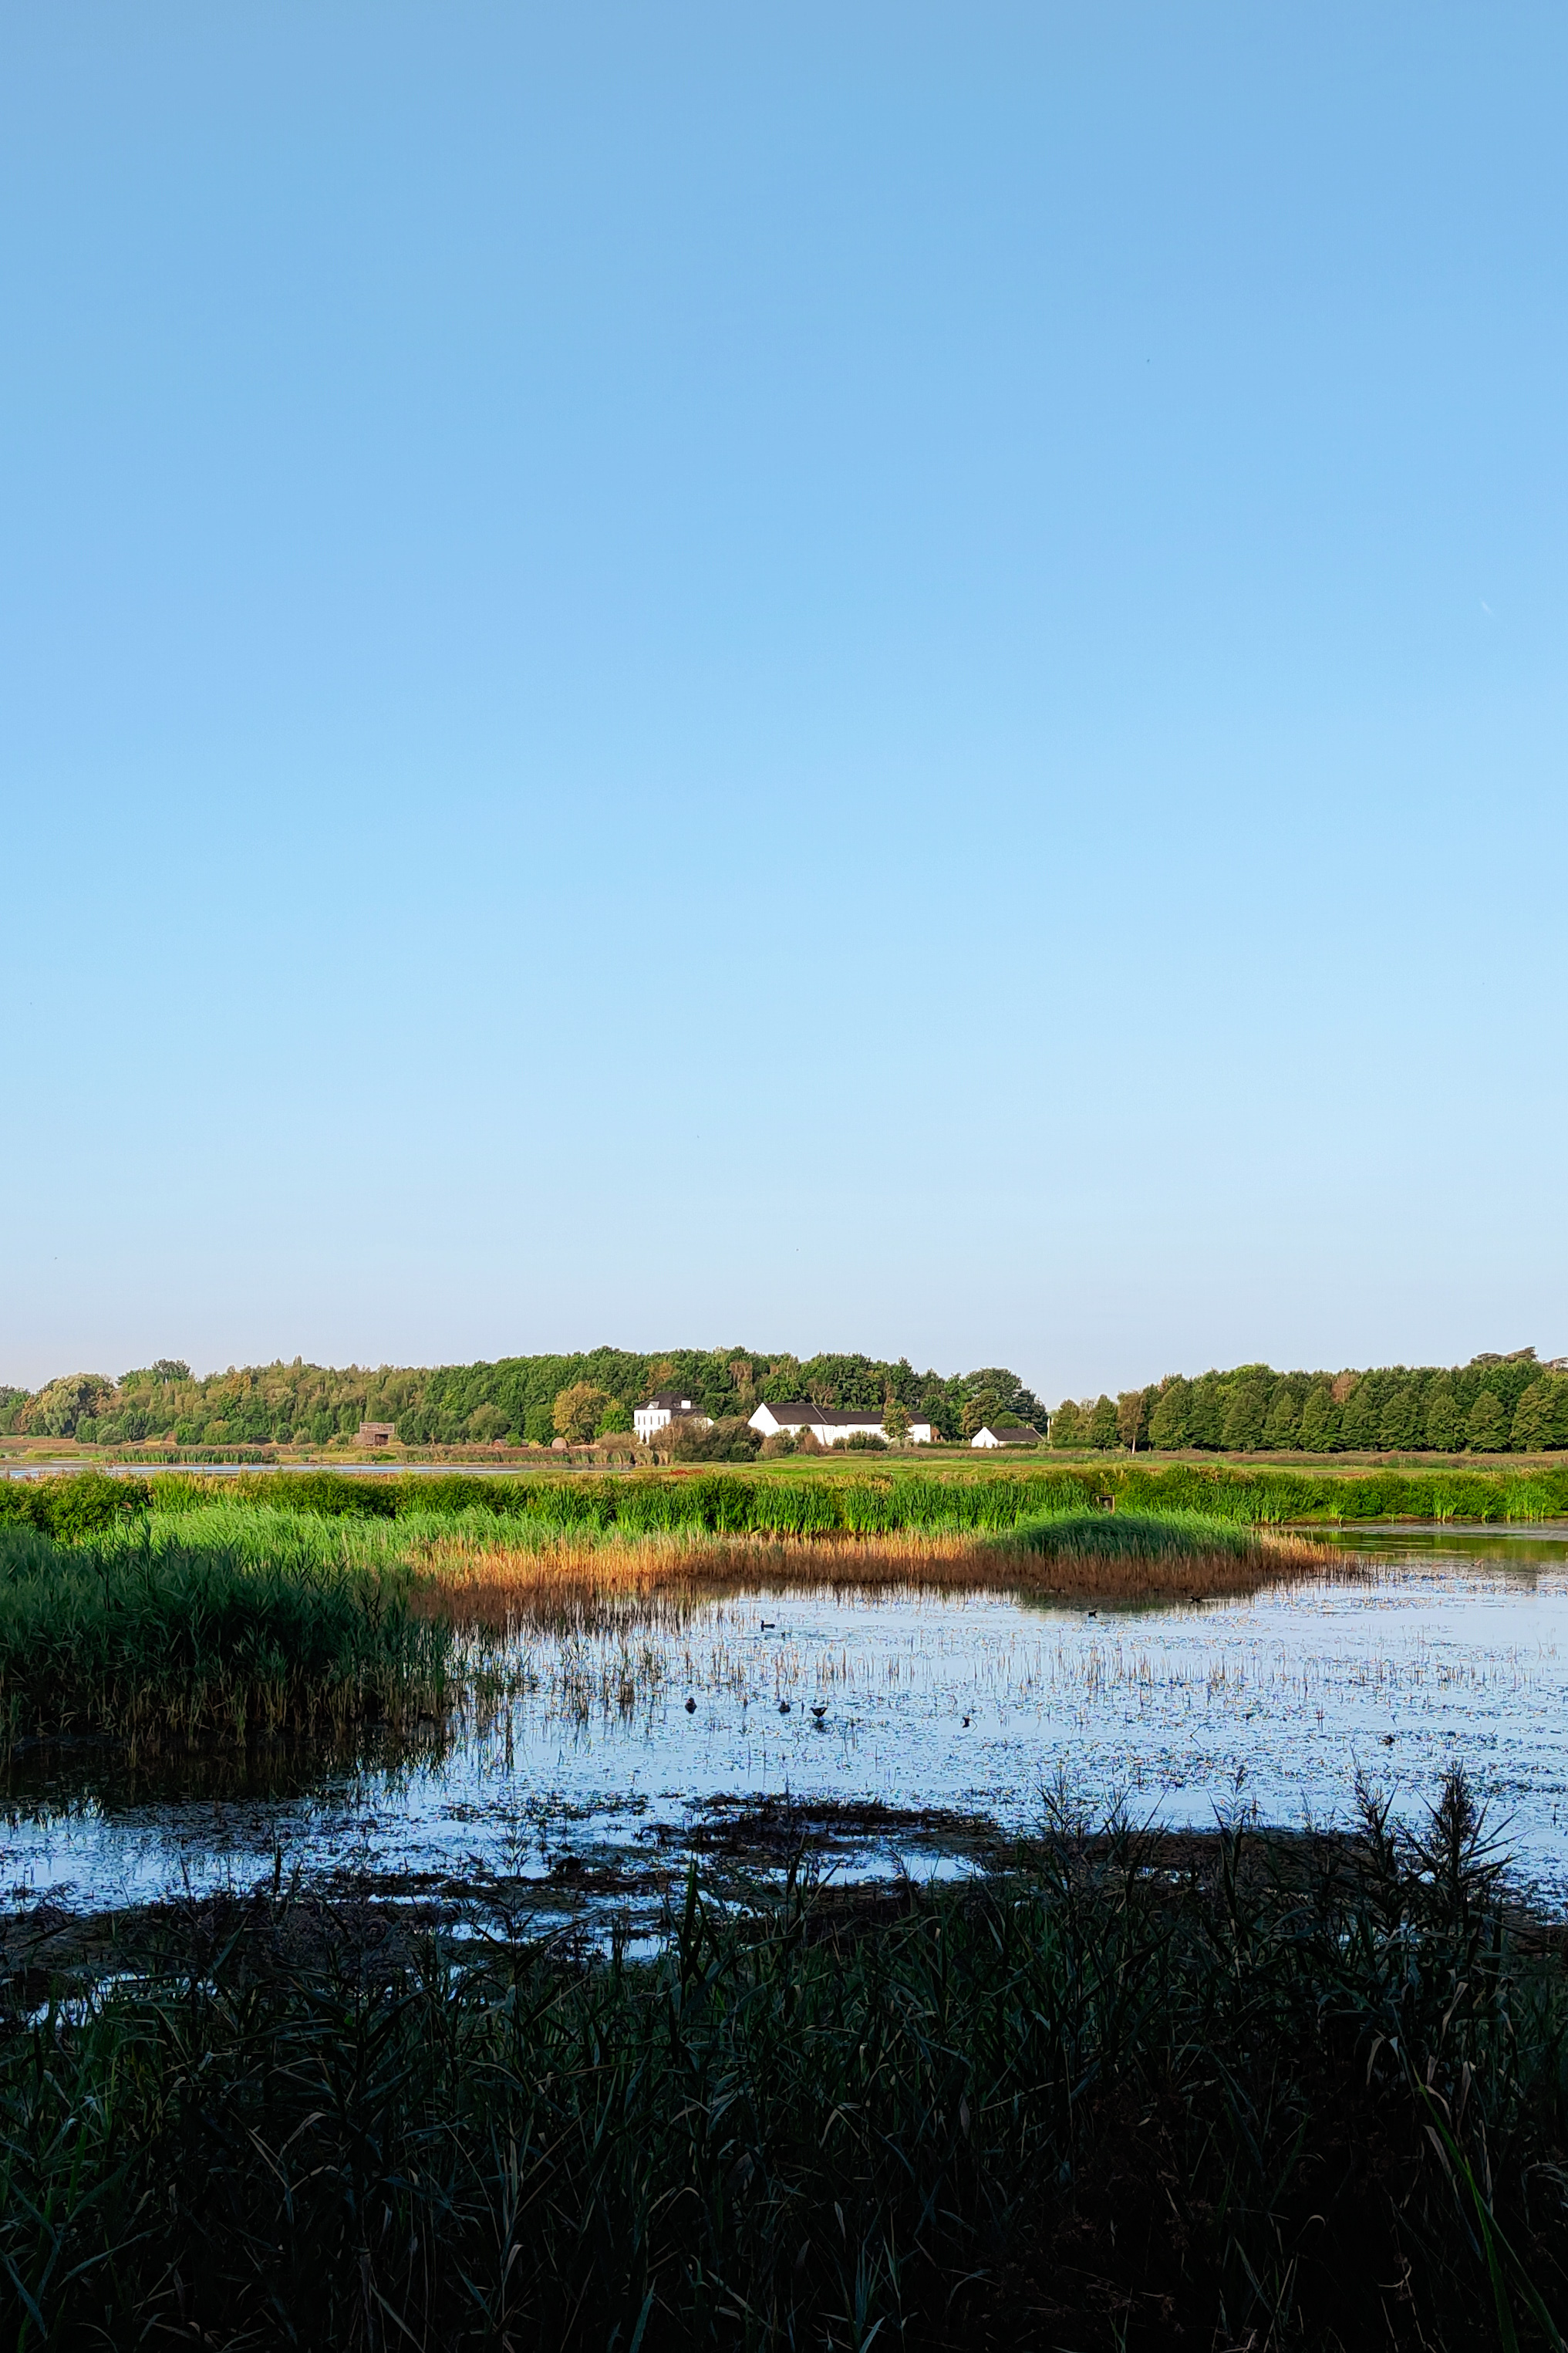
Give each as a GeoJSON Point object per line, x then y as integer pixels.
{"type": "Point", "coordinates": [665, 1407]}
{"type": "Point", "coordinates": [1023, 1436]}
{"type": "Point", "coordinates": [830, 1424]}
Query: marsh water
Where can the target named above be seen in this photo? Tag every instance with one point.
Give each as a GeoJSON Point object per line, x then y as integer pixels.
{"type": "Point", "coordinates": [906, 1732]}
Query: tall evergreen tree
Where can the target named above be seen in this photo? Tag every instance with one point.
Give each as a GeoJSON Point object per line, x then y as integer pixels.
{"type": "Point", "coordinates": [1246, 1414]}
{"type": "Point", "coordinates": [1534, 1419]}
{"type": "Point", "coordinates": [1283, 1427]}
{"type": "Point", "coordinates": [1168, 1416]}
{"type": "Point", "coordinates": [1066, 1425]}
{"type": "Point", "coordinates": [1205, 1411]}
{"type": "Point", "coordinates": [1319, 1420]}
{"type": "Point", "coordinates": [1102, 1423]}
{"type": "Point", "coordinates": [1359, 1416]}
{"type": "Point", "coordinates": [1398, 1424]}
{"type": "Point", "coordinates": [1485, 1427]}
{"type": "Point", "coordinates": [1445, 1423]}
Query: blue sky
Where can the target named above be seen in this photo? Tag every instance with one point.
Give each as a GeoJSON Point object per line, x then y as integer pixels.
{"type": "Point", "coordinates": [875, 676]}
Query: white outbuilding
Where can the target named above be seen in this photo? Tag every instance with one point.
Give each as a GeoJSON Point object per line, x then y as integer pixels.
{"type": "Point", "coordinates": [1025, 1435]}
{"type": "Point", "coordinates": [831, 1425]}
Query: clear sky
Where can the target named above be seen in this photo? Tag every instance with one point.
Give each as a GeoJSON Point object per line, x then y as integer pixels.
{"type": "Point", "coordinates": [842, 675]}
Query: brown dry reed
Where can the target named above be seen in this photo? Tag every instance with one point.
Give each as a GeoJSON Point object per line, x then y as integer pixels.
{"type": "Point", "coordinates": [571, 1582]}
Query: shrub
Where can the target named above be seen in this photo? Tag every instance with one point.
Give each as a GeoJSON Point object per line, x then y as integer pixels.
{"type": "Point", "coordinates": [74, 1506]}
{"type": "Point", "coordinates": [731, 1441]}
{"type": "Point", "coordinates": [332, 1493]}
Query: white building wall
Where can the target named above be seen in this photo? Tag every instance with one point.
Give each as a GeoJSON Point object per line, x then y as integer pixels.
{"type": "Point", "coordinates": [648, 1420]}
{"type": "Point", "coordinates": [833, 1433]}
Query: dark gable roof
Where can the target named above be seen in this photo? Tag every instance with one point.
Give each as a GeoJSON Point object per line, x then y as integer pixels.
{"type": "Point", "coordinates": [1026, 1436]}
{"type": "Point", "coordinates": [674, 1401]}
{"type": "Point", "coordinates": [831, 1416]}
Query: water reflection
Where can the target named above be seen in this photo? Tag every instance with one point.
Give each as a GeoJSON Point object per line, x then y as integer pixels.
{"type": "Point", "coordinates": [1447, 1646]}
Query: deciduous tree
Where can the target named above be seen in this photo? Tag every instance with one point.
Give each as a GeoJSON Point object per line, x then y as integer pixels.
{"type": "Point", "coordinates": [577, 1411]}
{"type": "Point", "coordinates": [980, 1407]}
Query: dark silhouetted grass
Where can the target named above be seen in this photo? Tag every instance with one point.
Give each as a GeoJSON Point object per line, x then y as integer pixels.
{"type": "Point", "coordinates": [1306, 2096]}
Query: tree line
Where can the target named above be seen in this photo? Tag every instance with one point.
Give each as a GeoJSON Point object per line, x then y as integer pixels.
{"type": "Point", "coordinates": [1493, 1405]}
{"type": "Point", "coordinates": [518, 1400]}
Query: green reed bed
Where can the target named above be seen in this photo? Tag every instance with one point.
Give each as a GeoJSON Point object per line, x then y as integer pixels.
{"type": "Point", "coordinates": [1150, 1556]}
{"type": "Point", "coordinates": [1172, 1535]}
{"type": "Point", "coordinates": [149, 1636]}
{"type": "Point", "coordinates": [452, 1551]}
{"type": "Point", "coordinates": [900, 1495]}
{"type": "Point", "coordinates": [826, 1500]}
{"type": "Point", "coordinates": [1308, 2094]}
{"type": "Point", "coordinates": [276, 1526]}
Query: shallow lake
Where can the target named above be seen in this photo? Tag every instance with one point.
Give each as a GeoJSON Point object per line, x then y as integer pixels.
{"type": "Point", "coordinates": [592, 1782]}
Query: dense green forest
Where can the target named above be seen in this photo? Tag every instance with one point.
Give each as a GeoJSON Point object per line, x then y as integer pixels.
{"type": "Point", "coordinates": [513, 1400]}
{"type": "Point", "coordinates": [1493, 1405]}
